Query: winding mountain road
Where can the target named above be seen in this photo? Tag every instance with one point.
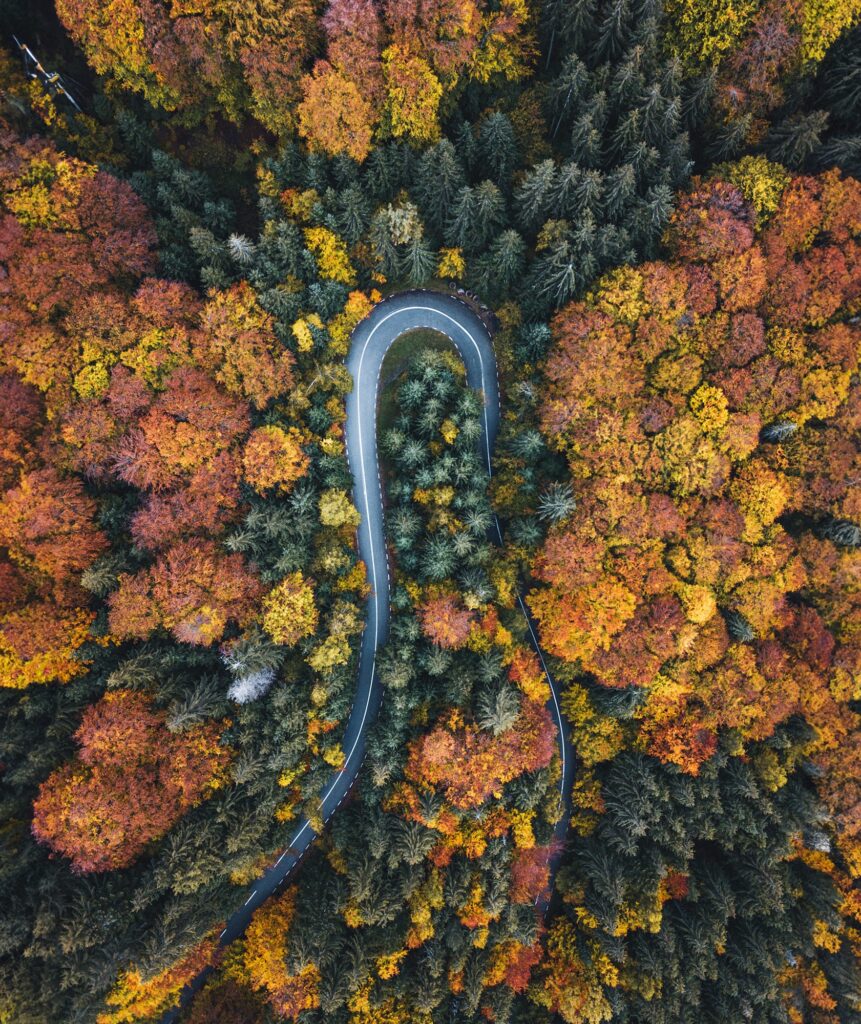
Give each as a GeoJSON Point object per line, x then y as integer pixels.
{"type": "Point", "coordinates": [370, 342]}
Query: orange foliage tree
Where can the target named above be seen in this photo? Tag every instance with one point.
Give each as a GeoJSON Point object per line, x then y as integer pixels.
{"type": "Point", "coordinates": [469, 765]}
{"type": "Point", "coordinates": [187, 425]}
{"type": "Point", "coordinates": [130, 782]}
{"type": "Point", "coordinates": [445, 621]}
{"type": "Point", "coordinates": [699, 402]}
{"type": "Point", "coordinates": [238, 347]}
{"type": "Point", "coordinates": [193, 590]}
{"type": "Point", "coordinates": [180, 445]}
{"type": "Point", "coordinates": [47, 537]}
{"type": "Point", "coordinates": [135, 997]}
{"type": "Point", "coordinates": [530, 874]}
{"type": "Point", "coordinates": [388, 67]}
{"type": "Point", "coordinates": [273, 458]}
{"type": "Point", "coordinates": [334, 115]}
{"type": "Point", "coordinates": [46, 526]}
{"type": "Point", "coordinates": [263, 960]}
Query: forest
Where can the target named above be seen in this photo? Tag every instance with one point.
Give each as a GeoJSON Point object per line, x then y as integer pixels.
{"type": "Point", "coordinates": [579, 739]}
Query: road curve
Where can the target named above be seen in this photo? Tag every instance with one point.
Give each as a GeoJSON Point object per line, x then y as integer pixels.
{"type": "Point", "coordinates": [371, 340]}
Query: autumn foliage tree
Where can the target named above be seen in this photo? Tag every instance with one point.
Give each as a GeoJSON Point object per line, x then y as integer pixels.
{"type": "Point", "coordinates": [273, 458]}
{"type": "Point", "coordinates": [698, 597]}
{"type": "Point", "coordinates": [241, 61]}
{"type": "Point", "coordinates": [289, 610]}
{"type": "Point", "coordinates": [48, 537]}
{"type": "Point", "coordinates": [73, 238]}
{"type": "Point", "coordinates": [237, 345]}
{"type": "Point", "coordinates": [470, 765]}
{"type": "Point", "coordinates": [263, 964]}
{"type": "Point", "coordinates": [334, 114]}
{"type": "Point", "coordinates": [707, 406]}
{"type": "Point", "coordinates": [389, 67]}
{"type": "Point", "coordinates": [164, 466]}
{"type": "Point", "coordinates": [753, 59]}
{"type": "Point", "coordinates": [226, 1003]}
{"type": "Point", "coordinates": [445, 621]}
{"type": "Point", "coordinates": [136, 996]}
{"type": "Point", "coordinates": [677, 574]}
{"type": "Point", "coordinates": [193, 590]}
{"type": "Point", "coordinates": [46, 527]}
{"type": "Point", "coordinates": [129, 783]}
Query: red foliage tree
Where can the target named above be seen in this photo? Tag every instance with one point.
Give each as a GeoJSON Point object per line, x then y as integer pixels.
{"type": "Point", "coordinates": [47, 537]}
{"type": "Point", "coordinates": [20, 421]}
{"type": "Point", "coordinates": [207, 504]}
{"type": "Point", "coordinates": [46, 525]}
{"type": "Point", "coordinates": [74, 238]}
{"type": "Point", "coordinates": [355, 36]}
{"type": "Point", "coordinates": [519, 971]}
{"type": "Point", "coordinates": [530, 874]}
{"type": "Point", "coordinates": [226, 1003]}
{"type": "Point", "coordinates": [131, 781]}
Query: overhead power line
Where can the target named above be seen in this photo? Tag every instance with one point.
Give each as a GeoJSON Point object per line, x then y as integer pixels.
{"type": "Point", "coordinates": [51, 80]}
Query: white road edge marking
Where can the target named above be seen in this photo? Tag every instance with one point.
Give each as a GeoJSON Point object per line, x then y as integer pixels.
{"type": "Point", "coordinates": [460, 327]}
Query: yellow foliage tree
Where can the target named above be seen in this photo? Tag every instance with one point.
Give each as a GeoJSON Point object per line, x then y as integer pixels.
{"type": "Point", "coordinates": [357, 307]}
{"type": "Point", "coordinates": [413, 96]}
{"type": "Point", "coordinates": [451, 264]}
{"type": "Point", "coordinates": [135, 997]}
{"type": "Point", "coordinates": [703, 31]}
{"type": "Point", "coordinates": [822, 22]}
{"type": "Point", "coordinates": [760, 180]}
{"type": "Point", "coordinates": [263, 959]}
{"type": "Point", "coordinates": [596, 737]}
{"type": "Point", "coordinates": [508, 48]}
{"type": "Point", "coordinates": [337, 510]}
{"type": "Point", "coordinates": [571, 986]}
{"type": "Point", "coordinates": [333, 651]}
{"type": "Point", "coordinates": [289, 611]}
{"type": "Point", "coordinates": [273, 458]}
{"type": "Point", "coordinates": [330, 250]}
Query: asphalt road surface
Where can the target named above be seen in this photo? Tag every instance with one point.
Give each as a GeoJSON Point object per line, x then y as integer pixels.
{"type": "Point", "coordinates": [370, 342]}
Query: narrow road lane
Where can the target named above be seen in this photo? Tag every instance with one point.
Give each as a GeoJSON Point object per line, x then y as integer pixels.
{"type": "Point", "coordinates": [371, 340]}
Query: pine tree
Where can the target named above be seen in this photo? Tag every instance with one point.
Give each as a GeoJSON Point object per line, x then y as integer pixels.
{"type": "Point", "coordinates": [417, 262]}
{"type": "Point", "coordinates": [440, 178]}
{"type": "Point", "coordinates": [497, 271]}
{"type": "Point", "coordinates": [534, 196]}
{"type": "Point", "coordinates": [497, 148]}
{"type": "Point", "coordinates": [796, 139]}
{"type": "Point", "coordinates": [489, 214]}
{"type": "Point", "coordinates": [460, 225]}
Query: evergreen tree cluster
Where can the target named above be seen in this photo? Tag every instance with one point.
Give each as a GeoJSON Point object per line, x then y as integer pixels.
{"type": "Point", "coordinates": [707, 871]}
